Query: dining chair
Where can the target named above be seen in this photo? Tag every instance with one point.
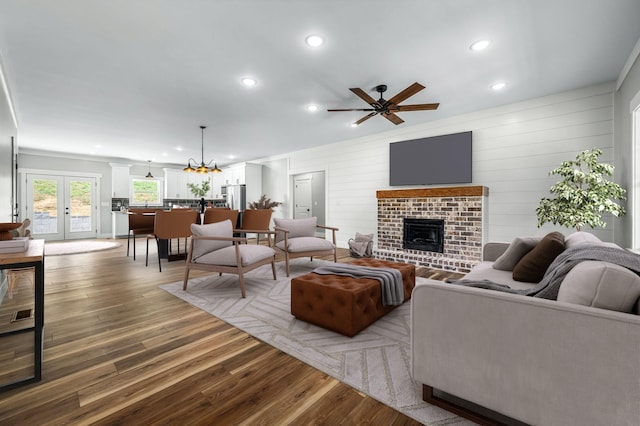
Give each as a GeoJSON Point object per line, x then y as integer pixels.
{"type": "Point", "coordinates": [213, 248]}
{"type": "Point", "coordinates": [256, 222]}
{"type": "Point", "coordinates": [297, 238]}
{"type": "Point", "coordinates": [168, 225]}
{"type": "Point", "coordinates": [220, 214]}
{"type": "Point", "coordinates": [140, 223]}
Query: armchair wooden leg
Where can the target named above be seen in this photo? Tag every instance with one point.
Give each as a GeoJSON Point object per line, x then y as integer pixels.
{"type": "Point", "coordinates": [273, 268]}
{"type": "Point", "coordinates": [286, 262]}
{"type": "Point", "coordinates": [241, 279]}
{"type": "Point", "coordinates": [186, 278]}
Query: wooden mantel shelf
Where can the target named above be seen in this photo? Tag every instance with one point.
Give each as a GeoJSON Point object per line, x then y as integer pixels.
{"type": "Point", "coordinates": [453, 191]}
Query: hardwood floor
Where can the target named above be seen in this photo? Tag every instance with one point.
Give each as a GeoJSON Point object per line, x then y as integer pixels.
{"type": "Point", "coordinates": [119, 350]}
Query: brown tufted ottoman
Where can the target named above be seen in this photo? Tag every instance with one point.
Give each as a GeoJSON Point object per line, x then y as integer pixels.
{"type": "Point", "coordinates": [345, 304]}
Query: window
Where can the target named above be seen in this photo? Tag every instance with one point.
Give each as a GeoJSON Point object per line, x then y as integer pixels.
{"type": "Point", "coordinates": [146, 192]}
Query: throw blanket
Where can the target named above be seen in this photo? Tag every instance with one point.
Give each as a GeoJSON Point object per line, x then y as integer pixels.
{"type": "Point", "coordinates": [549, 286]}
{"type": "Point", "coordinates": [390, 279]}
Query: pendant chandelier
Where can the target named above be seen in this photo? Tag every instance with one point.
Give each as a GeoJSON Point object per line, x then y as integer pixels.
{"type": "Point", "coordinates": [149, 175]}
{"type": "Point", "coordinates": [202, 168]}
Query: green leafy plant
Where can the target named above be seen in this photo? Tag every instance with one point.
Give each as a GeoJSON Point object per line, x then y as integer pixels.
{"type": "Point", "coordinates": [583, 195]}
{"type": "Point", "coordinates": [201, 190]}
{"type": "Point", "coordinates": [264, 203]}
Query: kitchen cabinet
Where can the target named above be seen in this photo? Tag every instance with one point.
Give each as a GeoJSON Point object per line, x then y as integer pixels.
{"type": "Point", "coordinates": [243, 174]}
{"type": "Point", "coordinates": [119, 224]}
{"type": "Point", "coordinates": [120, 180]}
{"type": "Point", "coordinates": [171, 183]}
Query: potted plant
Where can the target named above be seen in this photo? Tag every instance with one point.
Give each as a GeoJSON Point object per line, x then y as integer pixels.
{"type": "Point", "coordinates": [583, 195]}
{"type": "Point", "coordinates": [201, 190]}
{"type": "Point", "coordinates": [264, 203]}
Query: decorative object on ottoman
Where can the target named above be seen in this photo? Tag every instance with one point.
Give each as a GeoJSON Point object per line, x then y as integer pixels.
{"type": "Point", "coordinates": [344, 304]}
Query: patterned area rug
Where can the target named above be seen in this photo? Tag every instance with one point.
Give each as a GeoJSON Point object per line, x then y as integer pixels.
{"type": "Point", "coordinates": [75, 247]}
{"type": "Point", "coordinates": [376, 361]}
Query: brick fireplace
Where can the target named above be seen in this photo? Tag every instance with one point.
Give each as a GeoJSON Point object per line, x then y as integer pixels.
{"type": "Point", "coordinates": [463, 210]}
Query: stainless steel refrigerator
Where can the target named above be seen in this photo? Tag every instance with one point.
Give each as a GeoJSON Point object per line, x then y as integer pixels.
{"type": "Point", "coordinates": [236, 197]}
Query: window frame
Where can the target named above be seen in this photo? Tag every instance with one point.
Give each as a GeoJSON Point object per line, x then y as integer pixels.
{"type": "Point", "coordinates": [132, 192]}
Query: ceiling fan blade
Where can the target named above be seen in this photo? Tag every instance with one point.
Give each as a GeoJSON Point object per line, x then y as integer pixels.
{"type": "Point", "coordinates": [363, 109]}
{"type": "Point", "coordinates": [366, 117]}
{"type": "Point", "coordinates": [365, 97]}
{"type": "Point", "coordinates": [409, 91]}
{"type": "Point", "coordinates": [393, 118]}
{"type": "Point", "coordinates": [416, 107]}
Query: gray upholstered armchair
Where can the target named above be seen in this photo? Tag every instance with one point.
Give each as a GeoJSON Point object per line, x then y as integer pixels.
{"type": "Point", "coordinates": [297, 238]}
{"type": "Point", "coordinates": [213, 248]}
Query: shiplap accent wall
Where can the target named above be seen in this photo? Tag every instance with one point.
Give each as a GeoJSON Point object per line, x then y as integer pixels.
{"type": "Point", "coordinates": [514, 148]}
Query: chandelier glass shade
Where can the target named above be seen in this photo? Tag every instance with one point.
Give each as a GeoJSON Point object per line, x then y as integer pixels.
{"type": "Point", "coordinates": [203, 168]}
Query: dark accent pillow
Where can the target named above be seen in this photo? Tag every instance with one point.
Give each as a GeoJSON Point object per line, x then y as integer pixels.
{"type": "Point", "coordinates": [533, 265]}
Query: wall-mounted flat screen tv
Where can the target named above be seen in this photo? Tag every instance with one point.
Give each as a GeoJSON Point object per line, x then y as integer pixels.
{"type": "Point", "coordinates": [441, 159]}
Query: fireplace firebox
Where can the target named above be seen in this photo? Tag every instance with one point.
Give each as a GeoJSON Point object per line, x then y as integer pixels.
{"type": "Point", "coordinates": [423, 234]}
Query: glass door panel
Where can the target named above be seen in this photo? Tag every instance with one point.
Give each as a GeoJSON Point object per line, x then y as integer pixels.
{"type": "Point", "coordinates": [79, 217]}
{"type": "Point", "coordinates": [45, 204]}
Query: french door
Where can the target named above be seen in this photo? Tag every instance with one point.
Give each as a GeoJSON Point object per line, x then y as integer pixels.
{"type": "Point", "coordinates": [61, 207]}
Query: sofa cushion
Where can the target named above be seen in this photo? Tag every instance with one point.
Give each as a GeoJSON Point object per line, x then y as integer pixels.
{"type": "Point", "coordinates": [516, 250]}
{"type": "Point", "coordinates": [580, 237]}
{"type": "Point", "coordinates": [484, 271]}
{"type": "Point", "coordinates": [217, 229]}
{"type": "Point", "coordinates": [601, 285]}
{"type": "Point", "coordinates": [305, 227]}
{"type": "Point", "coordinates": [533, 265]}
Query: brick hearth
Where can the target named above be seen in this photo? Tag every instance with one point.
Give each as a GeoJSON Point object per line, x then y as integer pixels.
{"type": "Point", "coordinates": [463, 210]}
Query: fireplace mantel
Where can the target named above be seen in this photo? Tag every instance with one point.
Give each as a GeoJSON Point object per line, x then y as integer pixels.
{"type": "Point", "coordinates": [453, 191]}
{"type": "Point", "coordinates": [463, 209]}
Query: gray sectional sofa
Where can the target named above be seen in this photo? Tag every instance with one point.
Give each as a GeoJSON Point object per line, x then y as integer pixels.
{"type": "Point", "coordinates": [574, 360]}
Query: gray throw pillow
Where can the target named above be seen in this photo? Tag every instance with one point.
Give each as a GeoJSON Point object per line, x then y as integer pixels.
{"type": "Point", "coordinates": [580, 237]}
{"type": "Point", "coordinates": [601, 285]}
{"type": "Point", "coordinates": [305, 227]}
{"type": "Point", "coordinates": [516, 250]}
{"type": "Point", "coordinates": [217, 229]}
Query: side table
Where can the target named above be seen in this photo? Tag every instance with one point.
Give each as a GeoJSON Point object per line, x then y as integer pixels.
{"type": "Point", "coordinates": [33, 258]}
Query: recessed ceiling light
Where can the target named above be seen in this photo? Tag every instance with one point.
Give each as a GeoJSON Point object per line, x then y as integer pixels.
{"type": "Point", "coordinates": [312, 108]}
{"type": "Point", "coordinates": [314, 40]}
{"type": "Point", "coordinates": [498, 86]}
{"type": "Point", "coordinates": [480, 45]}
{"type": "Point", "coordinates": [178, 148]}
{"type": "Point", "coordinates": [248, 81]}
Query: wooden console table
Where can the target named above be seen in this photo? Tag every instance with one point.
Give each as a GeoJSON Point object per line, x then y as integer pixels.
{"type": "Point", "coordinates": [32, 258]}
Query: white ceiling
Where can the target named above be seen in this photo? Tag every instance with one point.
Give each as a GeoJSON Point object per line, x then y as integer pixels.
{"type": "Point", "coordinates": [135, 79]}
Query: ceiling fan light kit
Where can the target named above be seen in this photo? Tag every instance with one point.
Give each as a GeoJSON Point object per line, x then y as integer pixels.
{"type": "Point", "coordinates": [202, 168]}
{"type": "Point", "coordinates": [388, 108]}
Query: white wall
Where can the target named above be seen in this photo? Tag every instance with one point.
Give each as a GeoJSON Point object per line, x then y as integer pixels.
{"type": "Point", "coordinates": [625, 152]}
{"type": "Point", "coordinates": [7, 130]}
{"type": "Point", "coordinates": [514, 148]}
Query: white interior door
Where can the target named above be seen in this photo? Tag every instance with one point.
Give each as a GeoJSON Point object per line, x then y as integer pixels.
{"type": "Point", "coordinates": [302, 197]}
{"type": "Point", "coordinates": [61, 207]}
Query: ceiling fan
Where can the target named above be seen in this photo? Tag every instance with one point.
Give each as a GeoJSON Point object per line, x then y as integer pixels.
{"type": "Point", "coordinates": [388, 108]}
